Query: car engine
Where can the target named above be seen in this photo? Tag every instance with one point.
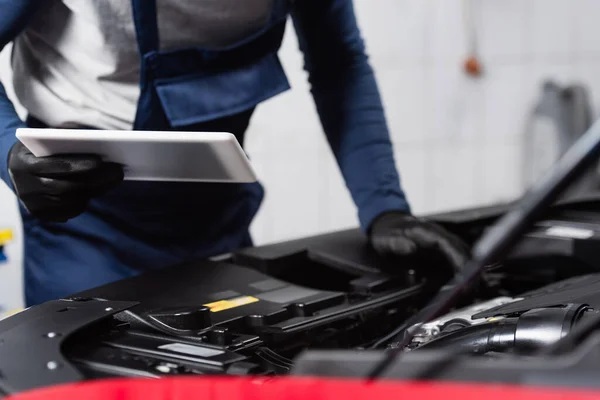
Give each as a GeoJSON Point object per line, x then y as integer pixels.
{"type": "Point", "coordinates": [325, 306]}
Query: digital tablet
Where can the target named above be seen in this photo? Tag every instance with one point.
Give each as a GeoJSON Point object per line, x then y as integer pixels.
{"type": "Point", "coordinates": [151, 155]}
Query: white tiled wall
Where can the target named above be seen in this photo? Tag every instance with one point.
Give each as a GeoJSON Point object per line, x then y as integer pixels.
{"type": "Point", "coordinates": [457, 140]}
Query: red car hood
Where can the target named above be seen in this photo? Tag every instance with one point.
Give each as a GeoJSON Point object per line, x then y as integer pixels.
{"type": "Point", "coordinates": [293, 389]}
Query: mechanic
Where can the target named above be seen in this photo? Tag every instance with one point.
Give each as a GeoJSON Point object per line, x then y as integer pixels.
{"type": "Point", "coordinates": [179, 65]}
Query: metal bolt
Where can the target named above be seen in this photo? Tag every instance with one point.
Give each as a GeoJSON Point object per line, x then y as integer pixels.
{"type": "Point", "coordinates": [52, 365]}
{"type": "Point", "coordinates": [108, 309]}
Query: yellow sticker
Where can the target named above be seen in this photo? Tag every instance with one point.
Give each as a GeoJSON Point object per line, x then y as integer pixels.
{"type": "Point", "coordinates": [6, 235]}
{"type": "Point", "coordinates": [231, 303]}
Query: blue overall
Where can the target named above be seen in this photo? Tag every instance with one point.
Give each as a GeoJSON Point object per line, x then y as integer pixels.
{"type": "Point", "coordinates": [141, 226]}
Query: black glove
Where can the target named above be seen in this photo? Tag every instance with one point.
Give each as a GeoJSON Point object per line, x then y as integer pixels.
{"type": "Point", "coordinates": [399, 234]}
{"type": "Point", "coordinates": [58, 188]}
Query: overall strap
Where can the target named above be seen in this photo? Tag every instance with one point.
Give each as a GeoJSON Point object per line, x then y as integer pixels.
{"type": "Point", "coordinates": [146, 25]}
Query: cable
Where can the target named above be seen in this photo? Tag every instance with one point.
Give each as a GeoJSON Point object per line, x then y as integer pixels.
{"type": "Point", "coordinates": [506, 233]}
{"type": "Point", "coordinates": [389, 336]}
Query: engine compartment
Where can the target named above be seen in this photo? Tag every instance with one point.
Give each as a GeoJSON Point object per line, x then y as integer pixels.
{"type": "Point", "coordinates": [236, 321]}
{"type": "Point", "coordinates": [321, 306]}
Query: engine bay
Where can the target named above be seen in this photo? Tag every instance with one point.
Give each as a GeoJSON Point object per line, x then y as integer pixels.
{"type": "Point", "coordinates": [324, 306]}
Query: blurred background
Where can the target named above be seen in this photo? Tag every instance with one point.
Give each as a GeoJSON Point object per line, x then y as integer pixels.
{"type": "Point", "coordinates": [461, 139]}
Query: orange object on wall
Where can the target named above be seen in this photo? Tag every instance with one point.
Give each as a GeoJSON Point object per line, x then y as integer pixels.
{"type": "Point", "coordinates": [473, 66]}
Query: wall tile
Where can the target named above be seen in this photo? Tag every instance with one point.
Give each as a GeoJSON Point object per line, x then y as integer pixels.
{"type": "Point", "coordinates": [394, 29]}
{"type": "Point", "coordinates": [552, 28]}
{"type": "Point", "coordinates": [288, 121]}
{"type": "Point", "coordinates": [504, 104]}
{"type": "Point", "coordinates": [585, 21]}
{"type": "Point", "coordinates": [454, 104]}
{"type": "Point", "coordinates": [411, 164]}
{"type": "Point", "coordinates": [292, 186]}
{"type": "Point", "coordinates": [447, 33]}
{"type": "Point", "coordinates": [503, 28]}
{"type": "Point", "coordinates": [500, 177]}
{"type": "Point", "coordinates": [258, 138]}
{"type": "Point", "coordinates": [450, 173]}
{"type": "Point", "coordinates": [403, 94]}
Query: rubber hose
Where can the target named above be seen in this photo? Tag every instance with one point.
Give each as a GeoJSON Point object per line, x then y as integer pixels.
{"type": "Point", "coordinates": [492, 336]}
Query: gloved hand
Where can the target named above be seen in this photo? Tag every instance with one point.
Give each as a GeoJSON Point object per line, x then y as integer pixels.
{"type": "Point", "coordinates": [58, 188]}
{"type": "Point", "coordinates": [400, 234]}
